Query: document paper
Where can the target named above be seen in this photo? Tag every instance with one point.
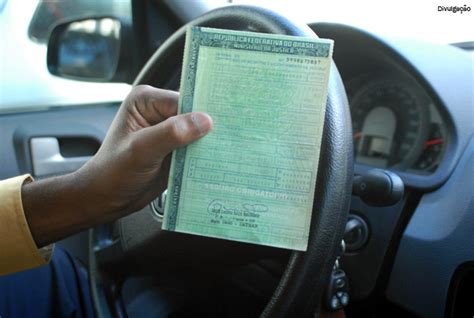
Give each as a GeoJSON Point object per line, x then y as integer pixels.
{"type": "Point", "coordinates": [252, 178]}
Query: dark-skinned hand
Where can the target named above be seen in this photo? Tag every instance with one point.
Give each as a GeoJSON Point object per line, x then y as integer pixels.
{"type": "Point", "coordinates": [129, 170]}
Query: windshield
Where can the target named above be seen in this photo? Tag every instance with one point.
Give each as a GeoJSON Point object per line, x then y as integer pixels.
{"type": "Point", "coordinates": [432, 21]}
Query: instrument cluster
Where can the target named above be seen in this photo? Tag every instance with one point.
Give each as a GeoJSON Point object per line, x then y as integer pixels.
{"type": "Point", "coordinates": [395, 124]}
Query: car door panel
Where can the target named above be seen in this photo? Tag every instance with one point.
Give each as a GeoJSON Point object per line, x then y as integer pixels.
{"type": "Point", "coordinates": [61, 139]}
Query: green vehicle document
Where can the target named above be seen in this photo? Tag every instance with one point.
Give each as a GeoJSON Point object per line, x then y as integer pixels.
{"type": "Point", "coordinates": [252, 178]}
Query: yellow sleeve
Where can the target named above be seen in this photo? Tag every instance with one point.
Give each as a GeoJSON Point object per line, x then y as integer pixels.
{"type": "Point", "coordinates": [18, 250]}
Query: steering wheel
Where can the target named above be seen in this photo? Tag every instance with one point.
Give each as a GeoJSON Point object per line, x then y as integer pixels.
{"type": "Point", "coordinates": [301, 287]}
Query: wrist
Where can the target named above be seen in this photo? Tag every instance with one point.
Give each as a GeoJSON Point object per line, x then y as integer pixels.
{"type": "Point", "coordinates": [93, 196]}
{"type": "Point", "coordinates": [58, 207]}
{"type": "Point", "coordinates": [103, 190]}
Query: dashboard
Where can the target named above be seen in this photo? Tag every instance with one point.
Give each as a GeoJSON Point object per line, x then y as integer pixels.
{"type": "Point", "coordinates": [398, 101]}
{"type": "Point", "coordinates": [396, 123]}
{"type": "Point", "coordinates": [412, 113]}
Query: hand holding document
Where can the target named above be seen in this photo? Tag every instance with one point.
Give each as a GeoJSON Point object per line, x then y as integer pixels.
{"type": "Point", "coordinates": [252, 179]}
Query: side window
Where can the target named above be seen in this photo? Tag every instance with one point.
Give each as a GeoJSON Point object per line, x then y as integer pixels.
{"type": "Point", "coordinates": [50, 13]}
{"type": "Point", "coordinates": [25, 26]}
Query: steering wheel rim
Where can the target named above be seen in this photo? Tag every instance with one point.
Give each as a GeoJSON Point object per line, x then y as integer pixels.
{"type": "Point", "coordinates": [301, 287]}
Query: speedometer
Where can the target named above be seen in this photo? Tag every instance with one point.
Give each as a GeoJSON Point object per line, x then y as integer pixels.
{"type": "Point", "coordinates": [391, 122]}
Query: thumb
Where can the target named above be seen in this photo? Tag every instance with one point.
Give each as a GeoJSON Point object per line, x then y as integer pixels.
{"type": "Point", "coordinates": [177, 131]}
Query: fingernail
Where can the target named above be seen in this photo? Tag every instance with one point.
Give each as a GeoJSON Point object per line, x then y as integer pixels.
{"type": "Point", "coordinates": [202, 121]}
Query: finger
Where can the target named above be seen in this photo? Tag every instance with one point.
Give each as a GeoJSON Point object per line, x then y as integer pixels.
{"type": "Point", "coordinates": [152, 105]}
{"type": "Point", "coordinates": [175, 132]}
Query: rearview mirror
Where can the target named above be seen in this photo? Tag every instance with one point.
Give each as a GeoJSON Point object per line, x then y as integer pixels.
{"type": "Point", "coordinates": [87, 50]}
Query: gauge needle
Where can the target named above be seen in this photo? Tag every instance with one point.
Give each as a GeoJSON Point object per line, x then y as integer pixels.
{"type": "Point", "coordinates": [432, 142]}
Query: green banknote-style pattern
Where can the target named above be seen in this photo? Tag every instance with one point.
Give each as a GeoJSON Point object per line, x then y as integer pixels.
{"type": "Point", "coordinates": [252, 178]}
